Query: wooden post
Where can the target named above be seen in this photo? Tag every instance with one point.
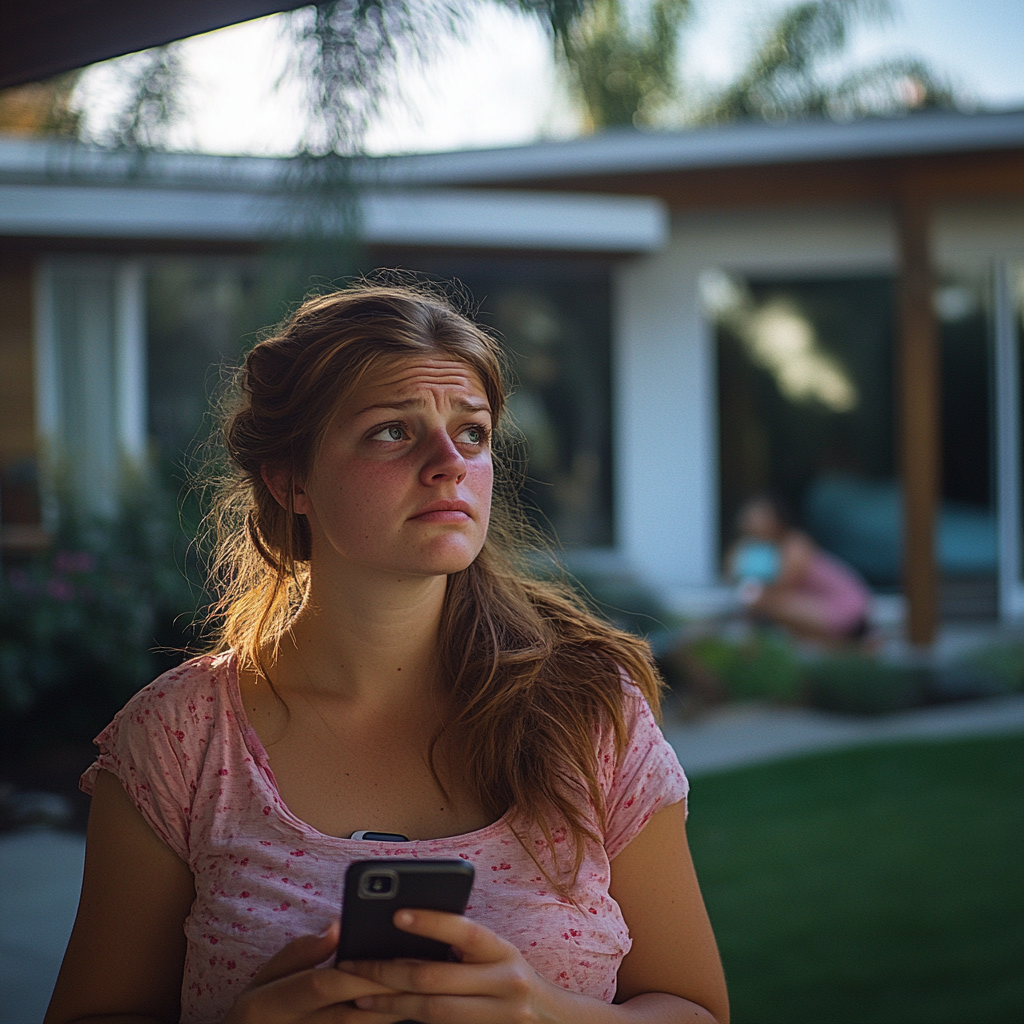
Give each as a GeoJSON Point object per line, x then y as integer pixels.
{"type": "Point", "coordinates": [920, 426]}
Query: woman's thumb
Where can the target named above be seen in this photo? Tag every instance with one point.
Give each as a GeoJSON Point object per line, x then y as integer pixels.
{"type": "Point", "coordinates": [300, 954]}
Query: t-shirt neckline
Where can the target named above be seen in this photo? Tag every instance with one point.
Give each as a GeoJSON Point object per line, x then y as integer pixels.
{"type": "Point", "coordinates": [260, 757]}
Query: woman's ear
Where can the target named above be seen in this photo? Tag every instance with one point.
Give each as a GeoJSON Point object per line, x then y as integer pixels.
{"type": "Point", "coordinates": [281, 483]}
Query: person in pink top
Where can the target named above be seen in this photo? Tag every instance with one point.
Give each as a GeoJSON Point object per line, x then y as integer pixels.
{"type": "Point", "coordinates": [787, 579]}
{"type": "Point", "coordinates": [384, 661]}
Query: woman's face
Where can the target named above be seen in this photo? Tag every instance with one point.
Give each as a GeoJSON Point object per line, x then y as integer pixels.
{"type": "Point", "coordinates": [402, 482]}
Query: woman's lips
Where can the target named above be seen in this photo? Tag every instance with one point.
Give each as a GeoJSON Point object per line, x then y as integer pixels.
{"type": "Point", "coordinates": [444, 511]}
{"type": "Point", "coordinates": [442, 516]}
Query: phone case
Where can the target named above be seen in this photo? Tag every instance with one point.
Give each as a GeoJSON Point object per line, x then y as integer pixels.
{"type": "Point", "coordinates": [375, 889]}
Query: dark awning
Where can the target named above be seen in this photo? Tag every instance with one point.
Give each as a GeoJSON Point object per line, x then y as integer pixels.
{"type": "Point", "coordinates": [39, 38]}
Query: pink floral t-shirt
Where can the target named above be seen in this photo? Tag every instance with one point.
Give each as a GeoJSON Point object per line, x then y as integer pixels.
{"type": "Point", "coordinates": [187, 756]}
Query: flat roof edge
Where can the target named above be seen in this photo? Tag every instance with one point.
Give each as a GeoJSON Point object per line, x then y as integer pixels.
{"type": "Point", "coordinates": [432, 217]}
{"type": "Point", "coordinates": [616, 152]}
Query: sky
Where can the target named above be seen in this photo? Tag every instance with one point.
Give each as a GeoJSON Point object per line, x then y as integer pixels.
{"type": "Point", "coordinates": [499, 86]}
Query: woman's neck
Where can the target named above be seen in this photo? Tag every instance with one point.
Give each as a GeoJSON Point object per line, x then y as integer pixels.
{"type": "Point", "coordinates": [366, 641]}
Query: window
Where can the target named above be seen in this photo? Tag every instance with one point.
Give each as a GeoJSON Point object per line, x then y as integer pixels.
{"type": "Point", "coordinates": [554, 319]}
{"type": "Point", "coordinates": [806, 412]}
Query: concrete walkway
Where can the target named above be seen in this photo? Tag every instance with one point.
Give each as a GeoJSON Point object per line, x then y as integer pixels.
{"type": "Point", "coordinates": [736, 735]}
{"type": "Point", "coordinates": [42, 869]}
{"type": "Point", "coordinates": [42, 874]}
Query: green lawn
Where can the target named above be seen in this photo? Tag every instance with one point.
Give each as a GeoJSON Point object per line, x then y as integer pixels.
{"type": "Point", "coordinates": [880, 885]}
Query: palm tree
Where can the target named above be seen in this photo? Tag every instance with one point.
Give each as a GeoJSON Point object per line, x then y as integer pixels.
{"type": "Point", "coordinates": [783, 79]}
{"type": "Point", "coordinates": [622, 67]}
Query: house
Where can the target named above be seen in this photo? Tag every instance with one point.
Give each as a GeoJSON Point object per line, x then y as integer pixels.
{"type": "Point", "coordinates": [830, 310]}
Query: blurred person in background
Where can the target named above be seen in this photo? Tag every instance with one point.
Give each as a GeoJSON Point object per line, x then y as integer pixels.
{"type": "Point", "coordinates": [787, 580]}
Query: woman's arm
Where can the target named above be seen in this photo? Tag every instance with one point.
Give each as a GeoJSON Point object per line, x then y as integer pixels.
{"type": "Point", "coordinates": [674, 949]}
{"type": "Point", "coordinates": [126, 956]}
{"type": "Point", "coordinates": [127, 950]}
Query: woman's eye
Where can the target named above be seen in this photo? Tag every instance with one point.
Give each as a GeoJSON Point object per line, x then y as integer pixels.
{"type": "Point", "coordinates": [390, 433]}
{"type": "Point", "coordinates": [474, 435]}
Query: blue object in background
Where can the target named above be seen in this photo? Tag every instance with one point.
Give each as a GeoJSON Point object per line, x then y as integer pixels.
{"type": "Point", "coordinates": [861, 521]}
{"type": "Point", "coordinates": [757, 561]}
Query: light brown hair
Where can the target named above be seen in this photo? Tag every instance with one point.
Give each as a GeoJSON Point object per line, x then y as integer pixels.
{"type": "Point", "coordinates": [532, 673]}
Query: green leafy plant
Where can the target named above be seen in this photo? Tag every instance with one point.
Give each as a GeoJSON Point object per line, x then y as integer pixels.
{"type": "Point", "coordinates": [762, 666]}
{"type": "Point", "coordinates": [1003, 662]}
{"type": "Point", "coordinates": [84, 624]}
{"type": "Point", "coordinates": [859, 684]}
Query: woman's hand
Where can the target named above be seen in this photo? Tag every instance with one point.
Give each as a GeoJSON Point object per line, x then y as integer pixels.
{"type": "Point", "coordinates": [291, 988]}
{"type": "Point", "coordinates": [492, 984]}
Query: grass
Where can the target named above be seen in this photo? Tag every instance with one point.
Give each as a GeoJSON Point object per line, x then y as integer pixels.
{"type": "Point", "coordinates": [880, 885]}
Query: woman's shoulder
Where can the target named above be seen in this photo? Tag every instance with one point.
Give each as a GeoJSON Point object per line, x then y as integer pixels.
{"type": "Point", "coordinates": [197, 689]}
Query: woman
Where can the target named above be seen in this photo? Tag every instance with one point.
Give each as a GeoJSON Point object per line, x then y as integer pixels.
{"type": "Point", "coordinates": [787, 579]}
{"type": "Point", "coordinates": [383, 664]}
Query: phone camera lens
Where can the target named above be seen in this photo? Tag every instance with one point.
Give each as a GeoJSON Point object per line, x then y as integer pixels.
{"type": "Point", "coordinates": [378, 884]}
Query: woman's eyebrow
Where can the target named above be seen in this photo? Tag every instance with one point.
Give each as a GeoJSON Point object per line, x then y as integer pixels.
{"type": "Point", "coordinates": [461, 404]}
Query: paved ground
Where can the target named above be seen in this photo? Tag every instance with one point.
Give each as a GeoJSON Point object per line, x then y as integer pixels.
{"type": "Point", "coordinates": [42, 869]}
{"type": "Point", "coordinates": [42, 873]}
{"type": "Point", "coordinates": [735, 735]}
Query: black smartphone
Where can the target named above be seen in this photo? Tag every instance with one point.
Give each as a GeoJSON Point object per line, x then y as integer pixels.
{"type": "Point", "coordinates": [375, 889]}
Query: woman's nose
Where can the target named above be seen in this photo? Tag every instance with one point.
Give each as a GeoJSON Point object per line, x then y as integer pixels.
{"type": "Point", "coordinates": [444, 460]}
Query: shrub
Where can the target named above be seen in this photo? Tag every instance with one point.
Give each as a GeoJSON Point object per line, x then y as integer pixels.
{"type": "Point", "coordinates": [861, 685]}
{"type": "Point", "coordinates": [1002, 662]}
{"type": "Point", "coordinates": [762, 666]}
{"type": "Point", "coordinates": [86, 623]}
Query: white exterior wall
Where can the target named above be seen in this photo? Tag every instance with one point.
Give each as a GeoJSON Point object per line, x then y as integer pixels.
{"type": "Point", "coordinates": [664, 400]}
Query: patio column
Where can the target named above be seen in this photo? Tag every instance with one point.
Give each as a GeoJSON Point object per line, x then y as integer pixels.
{"type": "Point", "coordinates": [919, 420]}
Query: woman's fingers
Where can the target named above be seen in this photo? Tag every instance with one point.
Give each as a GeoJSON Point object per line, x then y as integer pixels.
{"type": "Point", "coordinates": [299, 955]}
{"type": "Point", "coordinates": [304, 996]}
{"type": "Point", "coordinates": [292, 987]}
{"type": "Point", "coordinates": [474, 943]}
{"type": "Point", "coordinates": [425, 976]}
{"type": "Point", "coordinates": [492, 981]}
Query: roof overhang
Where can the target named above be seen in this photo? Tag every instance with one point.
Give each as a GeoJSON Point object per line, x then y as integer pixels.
{"type": "Point", "coordinates": [623, 152]}
{"type": "Point", "coordinates": [476, 219]}
{"type": "Point", "coordinates": [43, 38]}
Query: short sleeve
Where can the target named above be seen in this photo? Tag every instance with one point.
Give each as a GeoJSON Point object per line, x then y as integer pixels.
{"type": "Point", "coordinates": [646, 777]}
{"type": "Point", "coordinates": [147, 747]}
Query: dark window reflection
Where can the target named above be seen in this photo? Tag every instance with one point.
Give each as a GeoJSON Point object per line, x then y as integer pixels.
{"type": "Point", "coordinates": [553, 316]}
{"type": "Point", "coordinates": [199, 318]}
{"type": "Point", "coordinates": [806, 411]}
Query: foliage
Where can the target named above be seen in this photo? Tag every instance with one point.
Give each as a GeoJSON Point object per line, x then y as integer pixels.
{"type": "Point", "coordinates": [876, 884]}
{"type": "Point", "coordinates": [622, 59]}
{"type": "Point", "coordinates": [41, 108]}
{"type": "Point", "coordinates": [153, 85]}
{"type": "Point", "coordinates": [859, 684]}
{"type": "Point", "coordinates": [1002, 661]}
{"type": "Point", "coordinates": [345, 54]}
{"type": "Point", "coordinates": [623, 67]}
{"type": "Point", "coordinates": [760, 666]}
{"type": "Point", "coordinates": [82, 624]}
{"type": "Point", "coordinates": [784, 78]}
